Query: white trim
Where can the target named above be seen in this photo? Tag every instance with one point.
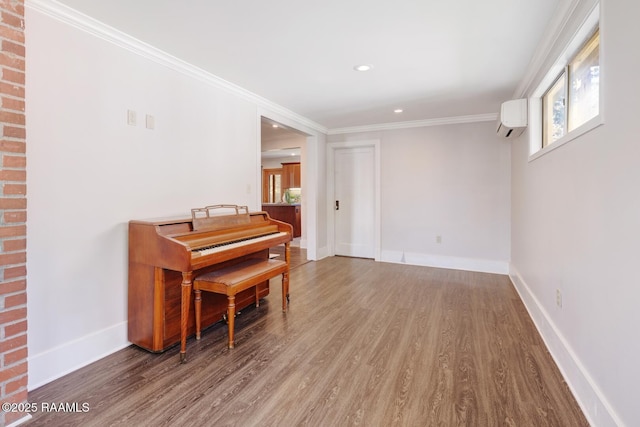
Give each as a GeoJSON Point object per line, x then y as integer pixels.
{"type": "Point", "coordinates": [449, 262]}
{"type": "Point", "coordinates": [20, 421]}
{"type": "Point", "coordinates": [309, 177]}
{"type": "Point", "coordinates": [85, 23]}
{"type": "Point", "coordinates": [72, 17]}
{"type": "Point", "coordinates": [593, 123]}
{"type": "Point", "coordinates": [489, 117]}
{"type": "Point", "coordinates": [68, 357]}
{"type": "Point", "coordinates": [331, 147]}
{"type": "Point", "coordinates": [591, 399]}
{"type": "Point", "coordinates": [552, 36]}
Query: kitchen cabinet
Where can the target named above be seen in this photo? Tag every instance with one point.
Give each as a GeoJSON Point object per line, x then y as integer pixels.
{"type": "Point", "coordinates": [285, 213]}
{"type": "Point", "coordinates": [291, 175]}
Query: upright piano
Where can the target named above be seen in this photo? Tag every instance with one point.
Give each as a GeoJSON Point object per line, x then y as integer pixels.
{"type": "Point", "coordinates": [166, 254]}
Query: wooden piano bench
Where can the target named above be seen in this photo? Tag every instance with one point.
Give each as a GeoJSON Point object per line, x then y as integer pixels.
{"type": "Point", "coordinates": [236, 278]}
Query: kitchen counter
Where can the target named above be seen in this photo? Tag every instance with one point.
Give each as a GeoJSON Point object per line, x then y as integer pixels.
{"type": "Point", "coordinates": [289, 213]}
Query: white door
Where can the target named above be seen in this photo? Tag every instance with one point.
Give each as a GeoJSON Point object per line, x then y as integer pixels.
{"type": "Point", "coordinates": [354, 204]}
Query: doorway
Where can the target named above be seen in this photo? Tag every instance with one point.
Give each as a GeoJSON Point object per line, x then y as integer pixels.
{"type": "Point", "coordinates": [281, 164]}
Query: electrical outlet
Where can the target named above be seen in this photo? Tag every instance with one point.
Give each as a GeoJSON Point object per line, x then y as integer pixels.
{"type": "Point", "coordinates": [558, 298]}
{"type": "Point", "coordinates": [438, 239]}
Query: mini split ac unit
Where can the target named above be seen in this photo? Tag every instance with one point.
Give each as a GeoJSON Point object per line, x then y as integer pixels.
{"type": "Point", "coordinates": [513, 118]}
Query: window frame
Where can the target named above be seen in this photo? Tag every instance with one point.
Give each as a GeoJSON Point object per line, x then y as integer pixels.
{"type": "Point", "coordinates": [581, 39]}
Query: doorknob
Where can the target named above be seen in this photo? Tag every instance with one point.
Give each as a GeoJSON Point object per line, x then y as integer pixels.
{"type": "Point", "coordinates": [337, 205]}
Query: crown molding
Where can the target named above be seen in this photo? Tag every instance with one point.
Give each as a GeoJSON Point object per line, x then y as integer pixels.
{"type": "Point", "coordinates": [417, 123]}
{"type": "Point", "coordinates": [82, 22]}
{"type": "Point", "coordinates": [555, 32]}
{"type": "Point", "coordinates": [85, 23]}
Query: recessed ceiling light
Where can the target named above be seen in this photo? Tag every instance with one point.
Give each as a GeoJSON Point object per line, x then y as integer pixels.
{"type": "Point", "coordinates": [363, 67]}
{"type": "Point", "coordinates": [274, 125]}
{"type": "Point", "coordinates": [398, 110]}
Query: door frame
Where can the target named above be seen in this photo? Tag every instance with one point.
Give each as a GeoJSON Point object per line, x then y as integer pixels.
{"type": "Point", "coordinates": [331, 151]}
{"type": "Point", "coordinates": [309, 175]}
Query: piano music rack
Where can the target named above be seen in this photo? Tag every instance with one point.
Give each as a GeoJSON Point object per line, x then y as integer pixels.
{"type": "Point", "coordinates": [208, 218]}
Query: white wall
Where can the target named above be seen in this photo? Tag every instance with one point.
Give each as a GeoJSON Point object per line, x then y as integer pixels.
{"type": "Point", "coordinates": [89, 173]}
{"type": "Point", "coordinates": [576, 228]}
{"type": "Point", "coordinates": [450, 181]}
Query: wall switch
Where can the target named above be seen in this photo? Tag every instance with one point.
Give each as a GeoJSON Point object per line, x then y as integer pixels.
{"type": "Point", "coordinates": [558, 298]}
{"type": "Point", "coordinates": [438, 239]}
{"type": "Point", "coordinates": [150, 121]}
{"type": "Point", "coordinates": [132, 118]}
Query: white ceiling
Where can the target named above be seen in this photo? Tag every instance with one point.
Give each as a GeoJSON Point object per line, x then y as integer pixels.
{"type": "Point", "coordinates": [432, 58]}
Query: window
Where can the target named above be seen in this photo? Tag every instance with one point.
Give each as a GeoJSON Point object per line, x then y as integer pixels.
{"type": "Point", "coordinates": [574, 97]}
{"type": "Point", "coordinates": [567, 101]}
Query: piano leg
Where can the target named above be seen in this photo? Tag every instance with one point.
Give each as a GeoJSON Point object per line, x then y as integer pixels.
{"type": "Point", "coordinates": [184, 313]}
{"type": "Point", "coordinates": [198, 304]}
{"type": "Point", "coordinates": [231, 318]}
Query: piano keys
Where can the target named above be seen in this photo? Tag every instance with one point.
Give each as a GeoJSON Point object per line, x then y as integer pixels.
{"type": "Point", "coordinates": [165, 255]}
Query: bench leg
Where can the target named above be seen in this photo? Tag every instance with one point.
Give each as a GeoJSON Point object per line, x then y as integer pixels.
{"type": "Point", "coordinates": [287, 258]}
{"type": "Point", "coordinates": [231, 318]}
{"type": "Point", "coordinates": [198, 304]}
{"type": "Point", "coordinates": [285, 290]}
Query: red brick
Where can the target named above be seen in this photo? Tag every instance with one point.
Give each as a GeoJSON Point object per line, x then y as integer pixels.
{"type": "Point", "coordinates": [11, 61]}
{"type": "Point", "coordinates": [9, 316]}
{"type": "Point", "coordinates": [14, 132]}
{"type": "Point", "coordinates": [14, 161]}
{"type": "Point", "coordinates": [15, 203]}
{"type": "Point", "coordinates": [15, 245]}
{"type": "Point", "coordinates": [12, 47]}
{"type": "Point", "coordinates": [14, 417]}
{"type": "Point", "coordinates": [12, 103]}
{"type": "Point", "coordinates": [13, 343]}
{"type": "Point", "coordinates": [13, 34]}
{"type": "Point", "coordinates": [11, 287]}
{"type": "Point", "coordinates": [11, 89]}
{"type": "Point", "coordinates": [13, 76]}
{"type": "Point", "coordinates": [12, 20]}
{"type": "Point", "coordinates": [12, 259]}
{"type": "Point", "coordinates": [16, 7]}
{"type": "Point", "coordinates": [12, 146]}
{"type": "Point", "coordinates": [15, 216]}
{"type": "Point", "coordinates": [14, 189]}
{"type": "Point", "coordinates": [15, 329]}
{"type": "Point", "coordinates": [13, 175]}
{"type": "Point", "coordinates": [13, 231]}
{"type": "Point", "coordinates": [15, 356]}
{"type": "Point", "coordinates": [11, 117]}
{"type": "Point", "coordinates": [11, 301]}
{"type": "Point", "coordinates": [15, 272]}
{"type": "Point", "coordinates": [15, 398]}
{"type": "Point", "coordinates": [12, 372]}
{"type": "Point", "coordinates": [13, 386]}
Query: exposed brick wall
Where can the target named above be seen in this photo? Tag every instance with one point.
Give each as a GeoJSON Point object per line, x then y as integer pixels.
{"type": "Point", "coordinates": [13, 210]}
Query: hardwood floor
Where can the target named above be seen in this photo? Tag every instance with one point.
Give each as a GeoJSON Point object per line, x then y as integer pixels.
{"type": "Point", "coordinates": [298, 255]}
{"type": "Point", "coordinates": [363, 343]}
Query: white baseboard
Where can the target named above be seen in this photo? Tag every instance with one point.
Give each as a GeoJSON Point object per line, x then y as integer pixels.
{"type": "Point", "coordinates": [590, 398]}
{"type": "Point", "coordinates": [20, 421]}
{"type": "Point", "coordinates": [441, 261]}
{"type": "Point", "coordinates": [322, 252]}
{"type": "Point", "coordinates": [54, 363]}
